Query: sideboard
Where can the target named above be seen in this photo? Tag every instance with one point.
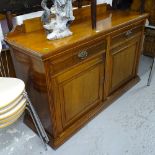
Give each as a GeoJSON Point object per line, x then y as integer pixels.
{"type": "Point", "coordinates": [71, 80]}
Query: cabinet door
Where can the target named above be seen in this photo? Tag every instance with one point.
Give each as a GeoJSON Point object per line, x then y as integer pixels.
{"type": "Point", "coordinates": [80, 89]}
{"type": "Point", "coordinates": [123, 63]}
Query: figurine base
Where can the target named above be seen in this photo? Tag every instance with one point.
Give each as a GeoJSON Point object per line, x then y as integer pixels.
{"type": "Point", "coordinates": [58, 35]}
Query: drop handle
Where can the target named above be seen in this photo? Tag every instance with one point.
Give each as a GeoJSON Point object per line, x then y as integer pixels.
{"type": "Point", "coordinates": [128, 33]}
{"type": "Point", "coordinates": [82, 55]}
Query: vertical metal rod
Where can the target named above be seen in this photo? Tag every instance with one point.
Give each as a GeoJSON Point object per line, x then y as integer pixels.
{"type": "Point", "coordinates": [39, 123]}
{"type": "Point", "coordinates": [36, 117]}
{"type": "Point", "coordinates": [36, 125]}
{"type": "Point", "coordinates": [151, 72]}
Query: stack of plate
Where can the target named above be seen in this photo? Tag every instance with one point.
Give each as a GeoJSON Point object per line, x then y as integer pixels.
{"type": "Point", "coordinates": [12, 101]}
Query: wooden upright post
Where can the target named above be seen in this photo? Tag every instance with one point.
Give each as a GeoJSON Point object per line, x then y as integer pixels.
{"type": "Point", "coordinates": [93, 13]}
{"type": "Point", "coordinates": [142, 8]}
{"type": "Point", "coordinates": [79, 3]}
{"type": "Point", "coordinates": [9, 20]}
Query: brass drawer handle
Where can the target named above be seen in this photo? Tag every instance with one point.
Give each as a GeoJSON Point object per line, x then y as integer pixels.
{"type": "Point", "coordinates": [128, 33]}
{"type": "Point", "coordinates": [82, 54]}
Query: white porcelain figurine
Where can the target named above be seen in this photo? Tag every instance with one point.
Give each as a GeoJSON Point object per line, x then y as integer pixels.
{"type": "Point", "coordinates": [59, 24]}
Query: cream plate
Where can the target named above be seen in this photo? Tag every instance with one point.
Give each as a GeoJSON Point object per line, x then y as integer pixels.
{"type": "Point", "coordinates": [11, 105]}
{"type": "Point", "coordinates": [10, 90]}
{"type": "Point", "coordinates": [13, 111]}
{"type": "Point", "coordinates": [2, 125]}
{"type": "Point", "coordinates": [15, 116]}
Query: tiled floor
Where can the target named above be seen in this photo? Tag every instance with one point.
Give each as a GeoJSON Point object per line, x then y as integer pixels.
{"type": "Point", "coordinates": [127, 127]}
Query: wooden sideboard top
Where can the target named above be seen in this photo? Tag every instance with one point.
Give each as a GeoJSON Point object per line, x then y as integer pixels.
{"type": "Point", "coordinates": [36, 44]}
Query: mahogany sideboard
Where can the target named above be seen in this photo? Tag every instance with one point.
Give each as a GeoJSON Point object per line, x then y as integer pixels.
{"type": "Point", "coordinates": [71, 80]}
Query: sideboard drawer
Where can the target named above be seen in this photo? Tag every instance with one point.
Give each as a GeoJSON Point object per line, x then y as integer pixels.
{"type": "Point", "coordinates": [125, 35]}
{"type": "Point", "coordinates": [76, 56]}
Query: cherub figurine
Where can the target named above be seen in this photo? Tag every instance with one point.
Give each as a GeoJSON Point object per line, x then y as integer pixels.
{"type": "Point", "coordinates": [63, 15]}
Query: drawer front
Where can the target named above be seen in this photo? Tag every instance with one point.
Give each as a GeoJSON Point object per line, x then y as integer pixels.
{"type": "Point", "coordinates": [77, 55]}
{"type": "Point", "coordinates": [126, 35]}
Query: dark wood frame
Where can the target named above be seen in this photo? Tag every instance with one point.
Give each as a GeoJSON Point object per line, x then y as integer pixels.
{"type": "Point", "coordinates": [93, 11]}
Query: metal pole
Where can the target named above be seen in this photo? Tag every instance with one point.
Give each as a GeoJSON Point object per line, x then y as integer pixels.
{"type": "Point", "coordinates": [151, 72]}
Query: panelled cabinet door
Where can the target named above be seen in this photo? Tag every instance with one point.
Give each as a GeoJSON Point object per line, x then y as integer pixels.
{"type": "Point", "coordinates": [123, 60]}
{"type": "Point", "coordinates": [80, 89]}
